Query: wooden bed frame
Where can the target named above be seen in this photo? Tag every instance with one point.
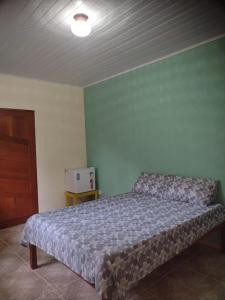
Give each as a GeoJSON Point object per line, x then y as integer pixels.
{"type": "Point", "coordinates": [220, 228]}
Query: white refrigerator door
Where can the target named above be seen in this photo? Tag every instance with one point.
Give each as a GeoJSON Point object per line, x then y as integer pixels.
{"type": "Point", "coordinates": [85, 180]}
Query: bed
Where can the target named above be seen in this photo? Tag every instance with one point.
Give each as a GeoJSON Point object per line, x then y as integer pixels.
{"type": "Point", "coordinates": [115, 242]}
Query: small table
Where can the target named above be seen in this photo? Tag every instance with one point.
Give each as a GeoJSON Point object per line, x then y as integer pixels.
{"type": "Point", "coordinates": [73, 198]}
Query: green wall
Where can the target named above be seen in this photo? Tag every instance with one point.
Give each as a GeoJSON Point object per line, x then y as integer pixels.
{"type": "Point", "coordinates": [166, 117]}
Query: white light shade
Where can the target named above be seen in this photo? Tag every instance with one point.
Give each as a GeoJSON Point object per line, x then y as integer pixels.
{"type": "Point", "coordinates": [80, 26]}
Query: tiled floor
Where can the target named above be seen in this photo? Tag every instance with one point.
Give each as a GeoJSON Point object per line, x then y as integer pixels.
{"type": "Point", "coordinates": [197, 274]}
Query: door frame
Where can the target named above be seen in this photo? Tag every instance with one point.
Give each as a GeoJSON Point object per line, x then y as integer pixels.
{"type": "Point", "coordinates": [31, 114]}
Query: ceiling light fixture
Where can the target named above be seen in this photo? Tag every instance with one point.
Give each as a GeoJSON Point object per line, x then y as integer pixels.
{"type": "Point", "coordinates": [80, 25]}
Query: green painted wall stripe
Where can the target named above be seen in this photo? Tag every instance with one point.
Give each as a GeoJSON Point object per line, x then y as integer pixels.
{"type": "Point", "coordinates": [167, 117]}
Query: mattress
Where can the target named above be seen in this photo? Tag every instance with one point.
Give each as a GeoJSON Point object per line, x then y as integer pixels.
{"type": "Point", "coordinates": [115, 242]}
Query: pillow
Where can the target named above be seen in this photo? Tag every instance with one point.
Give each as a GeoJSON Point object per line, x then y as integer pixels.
{"type": "Point", "coordinates": [171, 187]}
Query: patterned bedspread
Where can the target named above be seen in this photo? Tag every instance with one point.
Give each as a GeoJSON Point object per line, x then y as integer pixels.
{"type": "Point", "coordinates": [115, 242]}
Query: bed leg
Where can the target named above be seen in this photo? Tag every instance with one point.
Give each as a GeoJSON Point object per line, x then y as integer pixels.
{"type": "Point", "coordinates": [33, 256]}
{"type": "Point", "coordinates": [223, 237]}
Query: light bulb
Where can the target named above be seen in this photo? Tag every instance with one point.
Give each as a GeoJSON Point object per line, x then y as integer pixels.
{"type": "Point", "coordinates": [80, 26]}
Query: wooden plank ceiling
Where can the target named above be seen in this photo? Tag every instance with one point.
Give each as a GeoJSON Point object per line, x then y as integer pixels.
{"type": "Point", "coordinates": [36, 41]}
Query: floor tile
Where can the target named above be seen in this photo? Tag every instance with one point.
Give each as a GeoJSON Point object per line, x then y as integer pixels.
{"type": "Point", "coordinates": [77, 290]}
{"type": "Point", "coordinates": [9, 263]}
{"type": "Point", "coordinates": [183, 278]}
{"type": "Point", "coordinates": [217, 293]}
{"type": "Point", "coordinates": [164, 291]}
{"type": "Point", "coordinates": [205, 287]}
{"type": "Point", "coordinates": [11, 235]}
{"type": "Point", "coordinates": [48, 295]}
{"type": "Point", "coordinates": [22, 284]}
{"type": "Point", "coordinates": [178, 284]}
{"type": "Point", "coordinates": [13, 249]}
{"type": "Point", "coordinates": [56, 273]}
{"type": "Point", "coordinates": [212, 263]}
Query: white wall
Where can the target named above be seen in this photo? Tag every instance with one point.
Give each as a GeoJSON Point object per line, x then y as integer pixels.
{"type": "Point", "coordinates": [60, 130]}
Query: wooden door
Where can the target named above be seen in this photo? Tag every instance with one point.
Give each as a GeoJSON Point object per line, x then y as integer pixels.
{"type": "Point", "coordinates": [18, 179]}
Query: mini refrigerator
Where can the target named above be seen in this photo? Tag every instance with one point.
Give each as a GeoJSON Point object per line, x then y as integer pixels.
{"type": "Point", "coordinates": [80, 180]}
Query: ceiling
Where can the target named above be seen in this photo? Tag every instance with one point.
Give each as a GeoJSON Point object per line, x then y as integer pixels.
{"type": "Point", "coordinates": [36, 41]}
